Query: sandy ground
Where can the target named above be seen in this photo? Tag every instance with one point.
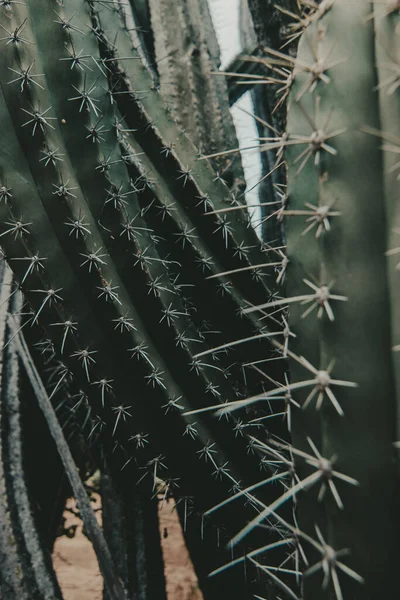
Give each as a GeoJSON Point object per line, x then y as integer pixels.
{"type": "Point", "coordinates": [180, 576]}
{"type": "Point", "coordinates": [78, 572]}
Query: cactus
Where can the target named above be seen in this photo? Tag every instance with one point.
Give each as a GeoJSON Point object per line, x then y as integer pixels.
{"type": "Point", "coordinates": [102, 220]}
{"type": "Point", "coordinates": [32, 478]}
{"type": "Point", "coordinates": [275, 28]}
{"type": "Point", "coordinates": [348, 175]}
{"type": "Point", "coordinates": [131, 528]}
{"type": "Point", "coordinates": [25, 562]}
{"type": "Point", "coordinates": [36, 496]}
{"type": "Point", "coordinates": [342, 145]}
{"type": "Point", "coordinates": [187, 54]}
{"type": "Point", "coordinates": [102, 202]}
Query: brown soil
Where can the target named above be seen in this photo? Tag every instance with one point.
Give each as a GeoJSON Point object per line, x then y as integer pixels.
{"type": "Point", "coordinates": [179, 572]}
{"type": "Point", "coordinates": [78, 572]}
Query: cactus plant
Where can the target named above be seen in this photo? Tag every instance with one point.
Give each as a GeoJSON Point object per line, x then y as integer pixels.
{"type": "Point", "coordinates": [341, 145]}
{"type": "Point", "coordinates": [105, 208]}
{"type": "Point", "coordinates": [25, 562]}
{"type": "Point", "coordinates": [102, 220]}
{"type": "Point", "coordinates": [187, 55]}
{"type": "Point", "coordinates": [36, 484]}
{"type": "Point", "coordinates": [345, 182]}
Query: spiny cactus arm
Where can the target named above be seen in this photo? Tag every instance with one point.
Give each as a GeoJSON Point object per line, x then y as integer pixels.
{"type": "Point", "coordinates": [188, 54]}
{"type": "Point", "coordinates": [25, 570]}
{"type": "Point", "coordinates": [190, 190]}
{"type": "Point", "coordinates": [186, 224]}
{"type": "Point", "coordinates": [189, 444]}
{"type": "Point", "coordinates": [53, 261]}
{"type": "Point", "coordinates": [111, 580]}
{"type": "Point", "coordinates": [115, 170]}
{"type": "Point", "coordinates": [334, 166]}
{"type": "Point", "coordinates": [57, 220]}
{"type": "Point", "coordinates": [157, 132]}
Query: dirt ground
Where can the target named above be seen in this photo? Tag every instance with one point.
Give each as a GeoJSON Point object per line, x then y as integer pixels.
{"type": "Point", "coordinates": [78, 572]}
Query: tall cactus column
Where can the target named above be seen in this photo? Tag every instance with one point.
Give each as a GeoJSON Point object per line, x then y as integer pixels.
{"type": "Point", "coordinates": [187, 53]}
{"type": "Point", "coordinates": [342, 206]}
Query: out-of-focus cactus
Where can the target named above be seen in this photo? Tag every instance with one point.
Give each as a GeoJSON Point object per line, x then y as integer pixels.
{"type": "Point", "coordinates": [187, 55]}
{"type": "Point", "coordinates": [342, 146]}
{"type": "Point", "coordinates": [343, 196]}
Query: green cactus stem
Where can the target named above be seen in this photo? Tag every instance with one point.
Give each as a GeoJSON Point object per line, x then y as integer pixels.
{"type": "Point", "coordinates": [342, 205]}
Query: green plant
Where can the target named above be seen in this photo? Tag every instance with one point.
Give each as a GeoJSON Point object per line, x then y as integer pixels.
{"type": "Point", "coordinates": [342, 146]}
{"type": "Point", "coordinates": [345, 183]}
{"type": "Point", "coordinates": [102, 219]}
{"type": "Point", "coordinates": [140, 266]}
{"type": "Point", "coordinates": [24, 561]}
{"type": "Point", "coordinates": [187, 58]}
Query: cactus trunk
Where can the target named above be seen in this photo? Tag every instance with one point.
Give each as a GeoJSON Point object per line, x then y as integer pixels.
{"type": "Point", "coordinates": [340, 181]}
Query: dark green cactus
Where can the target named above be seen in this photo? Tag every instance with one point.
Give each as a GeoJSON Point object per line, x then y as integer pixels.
{"type": "Point", "coordinates": [32, 479]}
{"type": "Point", "coordinates": [25, 562]}
{"type": "Point", "coordinates": [32, 499]}
{"type": "Point", "coordinates": [102, 219]}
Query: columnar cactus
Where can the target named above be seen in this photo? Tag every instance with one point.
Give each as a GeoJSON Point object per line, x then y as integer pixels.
{"type": "Point", "coordinates": [342, 147]}
{"type": "Point", "coordinates": [187, 55]}
{"type": "Point", "coordinates": [343, 115]}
